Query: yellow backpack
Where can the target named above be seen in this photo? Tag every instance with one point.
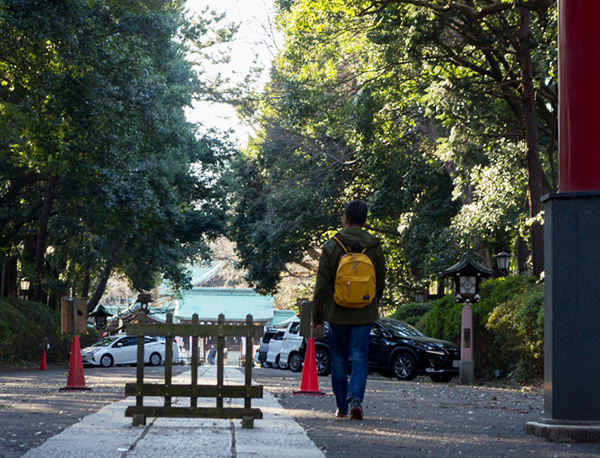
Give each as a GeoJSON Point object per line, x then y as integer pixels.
{"type": "Point", "coordinates": [355, 279]}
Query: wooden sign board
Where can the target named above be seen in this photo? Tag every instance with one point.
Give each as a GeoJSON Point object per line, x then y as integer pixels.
{"type": "Point", "coordinates": [73, 310]}
{"type": "Point", "coordinates": [306, 319]}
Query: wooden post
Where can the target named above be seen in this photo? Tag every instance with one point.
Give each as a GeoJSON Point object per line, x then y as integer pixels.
{"type": "Point", "coordinates": [140, 419]}
{"type": "Point", "coordinates": [248, 422]}
{"type": "Point", "coordinates": [168, 360]}
{"type": "Point", "coordinates": [220, 347]}
{"type": "Point", "coordinates": [195, 350]}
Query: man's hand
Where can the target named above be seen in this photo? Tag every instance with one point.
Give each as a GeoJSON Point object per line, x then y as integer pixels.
{"type": "Point", "coordinates": [316, 327]}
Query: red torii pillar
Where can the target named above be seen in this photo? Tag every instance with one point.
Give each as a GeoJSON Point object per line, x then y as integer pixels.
{"type": "Point", "coordinates": [572, 238]}
{"type": "Point", "coordinates": [579, 94]}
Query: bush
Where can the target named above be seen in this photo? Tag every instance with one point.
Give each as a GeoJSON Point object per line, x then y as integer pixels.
{"type": "Point", "coordinates": [508, 327]}
{"type": "Point", "coordinates": [502, 329]}
{"type": "Point", "coordinates": [444, 320]}
{"type": "Point", "coordinates": [518, 328]}
{"type": "Point", "coordinates": [411, 313]}
{"type": "Point", "coordinates": [23, 327]}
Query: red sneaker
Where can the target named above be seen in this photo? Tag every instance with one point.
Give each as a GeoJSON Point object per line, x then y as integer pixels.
{"type": "Point", "coordinates": [356, 412]}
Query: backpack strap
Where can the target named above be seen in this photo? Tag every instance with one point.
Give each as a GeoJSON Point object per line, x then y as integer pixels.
{"type": "Point", "coordinates": [344, 247]}
{"type": "Point", "coordinates": [338, 240]}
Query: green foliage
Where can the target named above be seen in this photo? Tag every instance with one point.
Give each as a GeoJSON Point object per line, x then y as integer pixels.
{"type": "Point", "coordinates": [412, 312]}
{"type": "Point", "coordinates": [508, 327]}
{"type": "Point", "coordinates": [517, 324]}
{"type": "Point", "coordinates": [444, 320]}
{"type": "Point", "coordinates": [416, 109]}
{"type": "Point", "coordinates": [23, 326]}
{"type": "Point", "coordinates": [326, 137]}
{"type": "Point", "coordinates": [100, 170]}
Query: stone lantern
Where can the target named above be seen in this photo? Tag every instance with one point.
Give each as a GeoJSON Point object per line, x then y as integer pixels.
{"type": "Point", "coordinates": [100, 315]}
{"type": "Point", "coordinates": [468, 275]}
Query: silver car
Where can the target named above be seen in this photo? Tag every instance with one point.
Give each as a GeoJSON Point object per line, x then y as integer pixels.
{"type": "Point", "coordinates": [123, 350]}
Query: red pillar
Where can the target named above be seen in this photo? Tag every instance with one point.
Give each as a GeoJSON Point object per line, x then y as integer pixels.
{"type": "Point", "coordinates": [579, 94]}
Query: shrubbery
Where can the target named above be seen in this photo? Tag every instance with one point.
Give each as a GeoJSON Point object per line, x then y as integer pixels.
{"type": "Point", "coordinates": [508, 327]}
{"type": "Point", "coordinates": [411, 313]}
{"type": "Point", "coordinates": [23, 327]}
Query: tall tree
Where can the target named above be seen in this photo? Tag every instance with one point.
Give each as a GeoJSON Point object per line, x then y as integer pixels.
{"type": "Point", "coordinates": [415, 106]}
{"type": "Point", "coordinates": [99, 164]}
{"type": "Point", "coordinates": [506, 50]}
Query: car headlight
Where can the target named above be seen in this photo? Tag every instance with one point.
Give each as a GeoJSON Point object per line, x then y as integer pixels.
{"type": "Point", "coordinates": [430, 349]}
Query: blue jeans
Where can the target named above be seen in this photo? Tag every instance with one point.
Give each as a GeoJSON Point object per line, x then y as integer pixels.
{"type": "Point", "coordinates": [349, 341]}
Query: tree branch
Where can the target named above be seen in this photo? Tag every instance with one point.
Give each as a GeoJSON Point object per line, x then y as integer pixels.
{"type": "Point", "coordinates": [469, 10]}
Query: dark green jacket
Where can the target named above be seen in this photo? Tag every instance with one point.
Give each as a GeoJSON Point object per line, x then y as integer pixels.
{"type": "Point", "coordinates": [324, 308]}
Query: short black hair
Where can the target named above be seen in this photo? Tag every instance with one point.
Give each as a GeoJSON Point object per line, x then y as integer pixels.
{"type": "Point", "coordinates": [356, 212]}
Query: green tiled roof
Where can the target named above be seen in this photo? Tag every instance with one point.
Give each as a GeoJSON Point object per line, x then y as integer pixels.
{"type": "Point", "coordinates": [235, 304]}
{"type": "Point", "coordinates": [203, 274]}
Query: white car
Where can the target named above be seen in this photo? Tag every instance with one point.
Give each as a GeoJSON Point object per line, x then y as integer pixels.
{"type": "Point", "coordinates": [175, 347]}
{"type": "Point", "coordinates": [263, 348]}
{"type": "Point", "coordinates": [274, 349]}
{"type": "Point", "coordinates": [290, 354]}
{"type": "Point", "coordinates": [123, 350]}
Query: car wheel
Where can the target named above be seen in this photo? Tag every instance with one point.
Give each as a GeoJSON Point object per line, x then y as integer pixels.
{"type": "Point", "coordinates": [442, 378]}
{"type": "Point", "coordinates": [404, 366]}
{"type": "Point", "coordinates": [295, 362]}
{"type": "Point", "coordinates": [155, 359]}
{"type": "Point", "coordinates": [265, 364]}
{"type": "Point", "coordinates": [279, 364]}
{"type": "Point", "coordinates": [323, 361]}
{"type": "Point", "coordinates": [106, 361]}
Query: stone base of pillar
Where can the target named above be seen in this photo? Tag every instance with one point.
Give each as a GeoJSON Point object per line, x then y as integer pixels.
{"type": "Point", "coordinates": [564, 431]}
{"type": "Point", "coordinates": [467, 372]}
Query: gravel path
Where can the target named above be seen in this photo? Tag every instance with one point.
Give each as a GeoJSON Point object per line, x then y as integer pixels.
{"type": "Point", "coordinates": [402, 419]}
{"type": "Point", "coordinates": [32, 409]}
{"type": "Point", "coordinates": [423, 419]}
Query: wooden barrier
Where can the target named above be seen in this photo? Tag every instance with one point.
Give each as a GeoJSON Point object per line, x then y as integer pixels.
{"type": "Point", "coordinates": [140, 412]}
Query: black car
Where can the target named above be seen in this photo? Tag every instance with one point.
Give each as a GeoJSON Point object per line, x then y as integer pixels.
{"type": "Point", "coordinates": [397, 349]}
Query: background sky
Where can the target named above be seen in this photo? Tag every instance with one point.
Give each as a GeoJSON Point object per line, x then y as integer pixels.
{"type": "Point", "coordinates": [254, 45]}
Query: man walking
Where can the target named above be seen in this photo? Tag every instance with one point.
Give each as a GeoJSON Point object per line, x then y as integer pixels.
{"type": "Point", "coordinates": [349, 319]}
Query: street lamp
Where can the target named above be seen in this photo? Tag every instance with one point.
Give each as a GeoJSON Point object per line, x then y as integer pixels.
{"type": "Point", "coordinates": [503, 261]}
{"type": "Point", "coordinates": [100, 315]}
{"type": "Point", "coordinates": [25, 285]}
{"type": "Point", "coordinates": [419, 295]}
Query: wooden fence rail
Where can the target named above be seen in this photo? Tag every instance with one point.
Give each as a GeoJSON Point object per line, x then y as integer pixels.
{"type": "Point", "coordinates": [220, 391]}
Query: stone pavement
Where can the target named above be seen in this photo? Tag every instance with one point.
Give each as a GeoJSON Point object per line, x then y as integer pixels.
{"type": "Point", "coordinates": [109, 434]}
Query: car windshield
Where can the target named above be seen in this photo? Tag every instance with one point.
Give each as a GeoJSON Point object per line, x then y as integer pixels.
{"type": "Point", "coordinates": [400, 329]}
{"type": "Point", "coordinates": [105, 342]}
{"type": "Point", "coordinates": [268, 336]}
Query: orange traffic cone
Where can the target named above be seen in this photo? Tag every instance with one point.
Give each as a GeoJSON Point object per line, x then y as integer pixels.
{"type": "Point", "coordinates": [43, 363]}
{"type": "Point", "coordinates": [309, 383]}
{"type": "Point", "coordinates": [75, 379]}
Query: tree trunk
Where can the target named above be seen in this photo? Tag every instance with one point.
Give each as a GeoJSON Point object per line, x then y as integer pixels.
{"type": "Point", "coordinates": [85, 287]}
{"type": "Point", "coordinates": [108, 268]}
{"type": "Point", "coordinates": [42, 238]}
{"type": "Point", "coordinates": [534, 166]}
